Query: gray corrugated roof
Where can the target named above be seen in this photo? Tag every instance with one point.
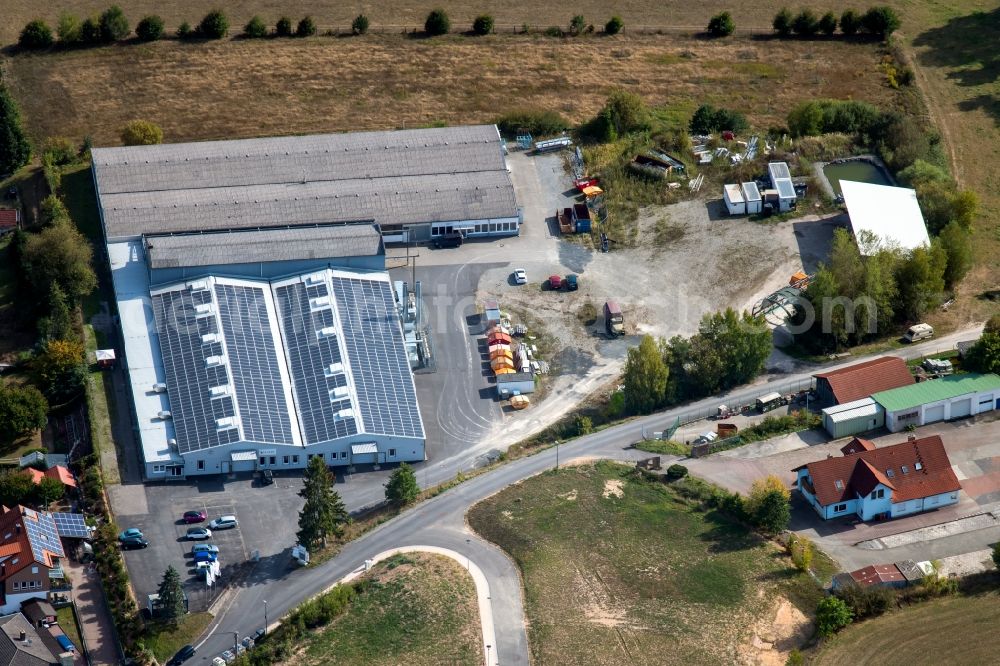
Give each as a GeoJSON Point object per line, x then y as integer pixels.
{"type": "Point", "coordinates": [260, 245]}
{"type": "Point", "coordinates": [439, 174]}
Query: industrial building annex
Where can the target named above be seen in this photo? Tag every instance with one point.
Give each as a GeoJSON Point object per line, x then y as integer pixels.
{"type": "Point", "coordinates": [259, 328]}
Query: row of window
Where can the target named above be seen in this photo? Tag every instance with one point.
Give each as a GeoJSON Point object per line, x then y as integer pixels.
{"type": "Point", "coordinates": [267, 461]}
{"type": "Point", "coordinates": [484, 228]}
{"type": "Point", "coordinates": [175, 470]}
{"type": "Point", "coordinates": [26, 585]}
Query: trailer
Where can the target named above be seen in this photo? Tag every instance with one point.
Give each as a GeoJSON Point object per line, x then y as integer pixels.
{"type": "Point", "coordinates": [581, 218]}
{"type": "Point", "coordinates": [614, 320]}
{"type": "Point", "coordinates": [550, 145]}
{"type": "Point", "coordinates": [565, 219]}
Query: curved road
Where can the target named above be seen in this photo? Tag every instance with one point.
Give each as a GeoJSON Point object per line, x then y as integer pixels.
{"type": "Point", "coordinates": [440, 522]}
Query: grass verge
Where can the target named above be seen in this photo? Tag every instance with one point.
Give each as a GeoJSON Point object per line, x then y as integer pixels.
{"type": "Point", "coordinates": [66, 617]}
{"type": "Point", "coordinates": [615, 565]}
{"type": "Point", "coordinates": [98, 411]}
{"type": "Point", "coordinates": [667, 448]}
{"type": "Point", "coordinates": [165, 640]}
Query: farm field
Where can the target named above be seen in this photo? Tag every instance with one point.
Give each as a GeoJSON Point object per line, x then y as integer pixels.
{"type": "Point", "coordinates": [245, 88]}
{"type": "Point", "coordinates": [953, 630]}
{"type": "Point", "coordinates": [619, 569]}
{"type": "Point", "coordinates": [418, 609]}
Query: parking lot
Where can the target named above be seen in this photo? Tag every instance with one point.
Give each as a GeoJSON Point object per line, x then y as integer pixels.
{"type": "Point", "coordinates": [268, 520]}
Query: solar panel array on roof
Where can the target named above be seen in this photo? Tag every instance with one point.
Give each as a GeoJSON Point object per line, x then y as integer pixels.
{"type": "Point", "coordinates": [42, 534]}
{"type": "Point", "coordinates": [251, 353]}
{"type": "Point", "coordinates": [378, 362]}
{"type": "Point", "coordinates": [194, 363]}
{"type": "Point", "coordinates": [312, 347]}
{"type": "Point", "coordinates": [71, 525]}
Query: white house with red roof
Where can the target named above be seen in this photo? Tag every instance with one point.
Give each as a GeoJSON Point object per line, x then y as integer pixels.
{"type": "Point", "coordinates": [887, 482]}
{"type": "Point", "coordinates": [30, 552]}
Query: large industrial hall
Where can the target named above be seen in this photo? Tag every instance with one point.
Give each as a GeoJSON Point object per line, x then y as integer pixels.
{"type": "Point", "coordinates": [259, 327]}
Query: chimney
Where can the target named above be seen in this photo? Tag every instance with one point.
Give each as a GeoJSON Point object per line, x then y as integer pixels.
{"type": "Point", "coordinates": [22, 636]}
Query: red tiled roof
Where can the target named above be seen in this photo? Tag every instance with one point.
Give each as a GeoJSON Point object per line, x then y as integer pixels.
{"type": "Point", "coordinates": [863, 379]}
{"type": "Point", "coordinates": [857, 445]}
{"type": "Point", "coordinates": [8, 218]}
{"type": "Point", "coordinates": [14, 534]}
{"type": "Point", "coordinates": [859, 472]}
{"type": "Point", "coordinates": [62, 474]}
{"type": "Point", "coordinates": [35, 474]}
{"type": "Point", "coordinates": [878, 573]}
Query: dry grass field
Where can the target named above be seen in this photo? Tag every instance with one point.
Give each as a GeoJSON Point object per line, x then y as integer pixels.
{"type": "Point", "coordinates": [333, 14]}
{"type": "Point", "coordinates": [954, 630]}
{"type": "Point", "coordinates": [243, 88]}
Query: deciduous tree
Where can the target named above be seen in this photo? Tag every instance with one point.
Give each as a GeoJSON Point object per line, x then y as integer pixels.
{"type": "Point", "coordinates": [957, 245]}
{"type": "Point", "coordinates": [614, 25]}
{"type": "Point", "coordinates": [255, 28]}
{"type": "Point", "coordinates": [850, 22]}
{"type": "Point", "coordinates": [805, 23]}
{"type": "Point", "coordinates": [721, 25]}
{"type": "Point", "coordinates": [306, 27]}
{"type": "Point", "coordinates": [880, 21]}
{"type": "Point", "coordinates": [48, 490]}
{"type": "Point", "coordinates": [483, 24]}
{"type": "Point", "coordinates": [402, 488]}
{"type": "Point", "coordinates": [15, 150]}
{"type": "Point", "coordinates": [35, 35]}
{"type": "Point", "coordinates": [59, 254]}
{"type": "Point", "coordinates": [782, 22]}
{"type": "Point", "coordinates": [437, 23]}
{"type": "Point", "coordinates": [60, 369]}
{"type": "Point", "coordinates": [141, 133]}
{"type": "Point", "coordinates": [23, 410]}
{"type": "Point", "coordinates": [283, 28]}
{"type": "Point", "coordinates": [68, 29]}
{"type": "Point", "coordinates": [761, 487]}
{"type": "Point", "coordinates": [984, 356]}
{"type": "Point", "coordinates": [16, 487]}
{"type": "Point", "coordinates": [645, 377]}
{"type": "Point", "coordinates": [150, 28]}
{"type": "Point", "coordinates": [214, 25]}
{"type": "Point", "coordinates": [114, 25]}
{"type": "Point", "coordinates": [828, 24]}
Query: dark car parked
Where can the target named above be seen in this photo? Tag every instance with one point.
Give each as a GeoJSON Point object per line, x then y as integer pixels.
{"type": "Point", "coordinates": [134, 543]}
{"type": "Point", "coordinates": [182, 655]}
{"type": "Point", "coordinates": [194, 516]}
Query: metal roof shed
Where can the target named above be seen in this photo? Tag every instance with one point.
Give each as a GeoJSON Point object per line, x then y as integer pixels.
{"type": "Point", "coordinates": [852, 418]}
{"type": "Point", "coordinates": [941, 399]}
{"type": "Point", "coordinates": [890, 214]}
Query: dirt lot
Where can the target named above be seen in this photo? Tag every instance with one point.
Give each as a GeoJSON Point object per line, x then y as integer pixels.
{"type": "Point", "coordinates": [256, 88]}
{"type": "Point", "coordinates": [618, 570]}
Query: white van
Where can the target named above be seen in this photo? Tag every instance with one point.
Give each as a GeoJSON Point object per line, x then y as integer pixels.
{"type": "Point", "coordinates": [918, 332]}
{"type": "Point", "coordinates": [224, 523]}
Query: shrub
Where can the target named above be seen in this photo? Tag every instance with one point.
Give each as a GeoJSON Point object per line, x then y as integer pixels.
{"type": "Point", "coordinates": [306, 27]}
{"type": "Point", "coordinates": [359, 26]}
{"type": "Point", "coordinates": [437, 23]}
{"type": "Point", "coordinates": [141, 133]}
{"type": "Point", "coordinates": [150, 28]}
{"type": "Point", "coordinates": [782, 22]}
{"type": "Point", "coordinates": [577, 24]}
{"type": "Point", "coordinates": [114, 25]}
{"type": "Point", "coordinates": [68, 29]}
{"type": "Point", "coordinates": [535, 122]}
{"type": "Point", "coordinates": [35, 35]}
{"type": "Point", "coordinates": [795, 658]}
{"type": "Point", "coordinates": [996, 555]}
{"type": "Point", "coordinates": [805, 24]}
{"type": "Point", "coordinates": [215, 25]}
{"type": "Point", "coordinates": [283, 28]}
{"type": "Point", "coordinates": [850, 22]}
{"type": "Point", "coordinates": [880, 21]}
{"type": "Point", "coordinates": [866, 601]}
{"type": "Point", "coordinates": [676, 472]}
{"type": "Point", "coordinates": [801, 551]}
{"type": "Point", "coordinates": [583, 425]}
{"type": "Point", "coordinates": [828, 24]}
{"type": "Point", "coordinates": [255, 28]}
{"type": "Point", "coordinates": [184, 30]}
{"type": "Point", "coordinates": [59, 151]}
{"type": "Point", "coordinates": [614, 25]}
{"type": "Point", "coordinates": [90, 31]}
{"type": "Point", "coordinates": [483, 25]}
{"type": "Point", "coordinates": [721, 25]}
{"type": "Point", "coordinates": [553, 31]}
{"type": "Point", "coordinates": [708, 119]}
{"type": "Point", "coordinates": [832, 615]}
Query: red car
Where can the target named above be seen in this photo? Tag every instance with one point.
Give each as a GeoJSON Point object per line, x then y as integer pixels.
{"type": "Point", "coordinates": [194, 516]}
{"type": "Point", "coordinates": [555, 282]}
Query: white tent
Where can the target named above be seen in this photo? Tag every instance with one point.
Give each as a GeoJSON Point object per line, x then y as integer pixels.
{"type": "Point", "coordinates": [889, 213]}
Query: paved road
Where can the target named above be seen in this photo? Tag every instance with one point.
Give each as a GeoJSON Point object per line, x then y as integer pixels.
{"type": "Point", "coordinates": [441, 522]}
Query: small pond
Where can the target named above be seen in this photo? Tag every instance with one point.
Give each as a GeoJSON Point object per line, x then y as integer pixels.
{"type": "Point", "coordinates": [861, 171]}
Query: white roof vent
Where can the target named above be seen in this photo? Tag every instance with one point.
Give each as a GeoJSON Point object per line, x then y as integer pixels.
{"type": "Point", "coordinates": [220, 391]}
{"type": "Point", "coordinates": [213, 361]}
{"type": "Point", "coordinates": [209, 338]}
{"type": "Point", "coordinates": [326, 332]}
{"type": "Point", "coordinates": [345, 413]}
{"type": "Point", "coordinates": [339, 393]}
{"type": "Point", "coordinates": [198, 285]}
{"type": "Point", "coordinates": [227, 423]}
{"type": "Point", "coordinates": [320, 303]}
{"type": "Point", "coordinates": [315, 278]}
{"type": "Point", "coordinates": [203, 309]}
{"type": "Point", "coordinates": [160, 387]}
{"type": "Point", "coordinates": [334, 369]}
{"type": "Point", "coordinates": [164, 415]}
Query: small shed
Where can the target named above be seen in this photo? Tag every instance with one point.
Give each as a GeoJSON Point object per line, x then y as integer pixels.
{"type": "Point", "coordinates": [915, 572]}
{"type": "Point", "coordinates": [851, 418]}
{"type": "Point", "coordinates": [491, 311]}
{"type": "Point", "coordinates": [10, 218]}
{"type": "Point", "coordinates": [38, 612]}
{"type": "Point", "coordinates": [105, 358]}
{"type": "Point", "coordinates": [733, 196]}
{"type": "Point", "coordinates": [520, 383]}
{"type": "Point", "coordinates": [751, 196]}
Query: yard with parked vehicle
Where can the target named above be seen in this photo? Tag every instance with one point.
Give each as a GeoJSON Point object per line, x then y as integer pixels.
{"type": "Point", "coordinates": [617, 567]}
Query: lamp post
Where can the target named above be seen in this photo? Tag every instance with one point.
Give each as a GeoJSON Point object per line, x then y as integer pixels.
{"type": "Point", "coordinates": [557, 454]}
{"type": "Point", "coordinates": [265, 617]}
{"type": "Point", "coordinates": [236, 643]}
{"type": "Point", "coordinates": [488, 646]}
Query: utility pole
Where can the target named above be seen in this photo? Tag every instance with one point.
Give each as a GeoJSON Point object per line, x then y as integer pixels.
{"type": "Point", "coordinates": [557, 454]}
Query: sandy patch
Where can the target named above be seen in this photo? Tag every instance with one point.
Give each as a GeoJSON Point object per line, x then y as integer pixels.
{"type": "Point", "coordinates": [614, 488]}
{"type": "Point", "coordinates": [571, 495]}
{"type": "Point", "coordinates": [782, 629]}
{"type": "Point", "coordinates": [507, 514]}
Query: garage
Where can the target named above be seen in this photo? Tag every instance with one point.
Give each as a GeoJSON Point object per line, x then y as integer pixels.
{"type": "Point", "coordinates": [243, 461]}
{"type": "Point", "coordinates": [362, 454]}
{"type": "Point", "coordinates": [933, 414]}
{"type": "Point", "coordinates": [961, 408]}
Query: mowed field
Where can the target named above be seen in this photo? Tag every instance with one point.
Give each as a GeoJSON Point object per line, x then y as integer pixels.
{"type": "Point", "coordinates": [618, 570]}
{"type": "Point", "coordinates": [255, 88]}
{"type": "Point", "coordinates": [331, 14]}
{"type": "Point", "coordinates": [418, 609]}
{"type": "Point", "coordinates": [954, 630]}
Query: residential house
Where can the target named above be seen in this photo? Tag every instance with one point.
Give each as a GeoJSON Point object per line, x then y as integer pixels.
{"type": "Point", "coordinates": [20, 645]}
{"type": "Point", "coordinates": [59, 473]}
{"type": "Point", "coordinates": [883, 482]}
{"type": "Point", "coordinates": [875, 575]}
{"type": "Point", "coordinates": [861, 380]}
{"type": "Point", "coordinates": [30, 552]}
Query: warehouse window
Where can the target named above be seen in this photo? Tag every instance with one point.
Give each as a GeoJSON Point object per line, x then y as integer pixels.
{"type": "Point", "coordinates": [392, 453]}
{"type": "Point", "coordinates": [201, 464]}
{"type": "Point", "coordinates": [284, 459]}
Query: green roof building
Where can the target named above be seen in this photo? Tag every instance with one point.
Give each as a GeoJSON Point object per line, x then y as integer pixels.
{"type": "Point", "coordinates": [942, 399]}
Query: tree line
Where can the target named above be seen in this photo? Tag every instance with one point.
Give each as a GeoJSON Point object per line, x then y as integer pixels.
{"type": "Point", "coordinates": [880, 22]}
{"type": "Point", "coordinates": [112, 26]}
{"type": "Point", "coordinates": [728, 350]}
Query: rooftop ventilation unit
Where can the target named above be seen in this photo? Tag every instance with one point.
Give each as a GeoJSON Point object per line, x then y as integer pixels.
{"type": "Point", "coordinates": [198, 285]}
{"type": "Point", "coordinates": [321, 303]}
{"type": "Point", "coordinates": [214, 361]}
{"type": "Point", "coordinates": [227, 423]}
{"type": "Point", "coordinates": [210, 338]}
{"type": "Point", "coordinates": [164, 415]}
{"type": "Point", "coordinates": [219, 391]}
{"type": "Point", "coordinates": [160, 387]}
{"type": "Point", "coordinates": [344, 414]}
{"type": "Point", "coordinates": [203, 310]}
{"type": "Point", "coordinates": [326, 332]}
{"type": "Point", "coordinates": [315, 278]}
{"type": "Point", "coordinates": [339, 393]}
{"type": "Point", "coordinates": [334, 369]}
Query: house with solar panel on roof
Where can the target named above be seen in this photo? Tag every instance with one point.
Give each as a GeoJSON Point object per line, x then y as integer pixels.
{"type": "Point", "coordinates": [259, 327]}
